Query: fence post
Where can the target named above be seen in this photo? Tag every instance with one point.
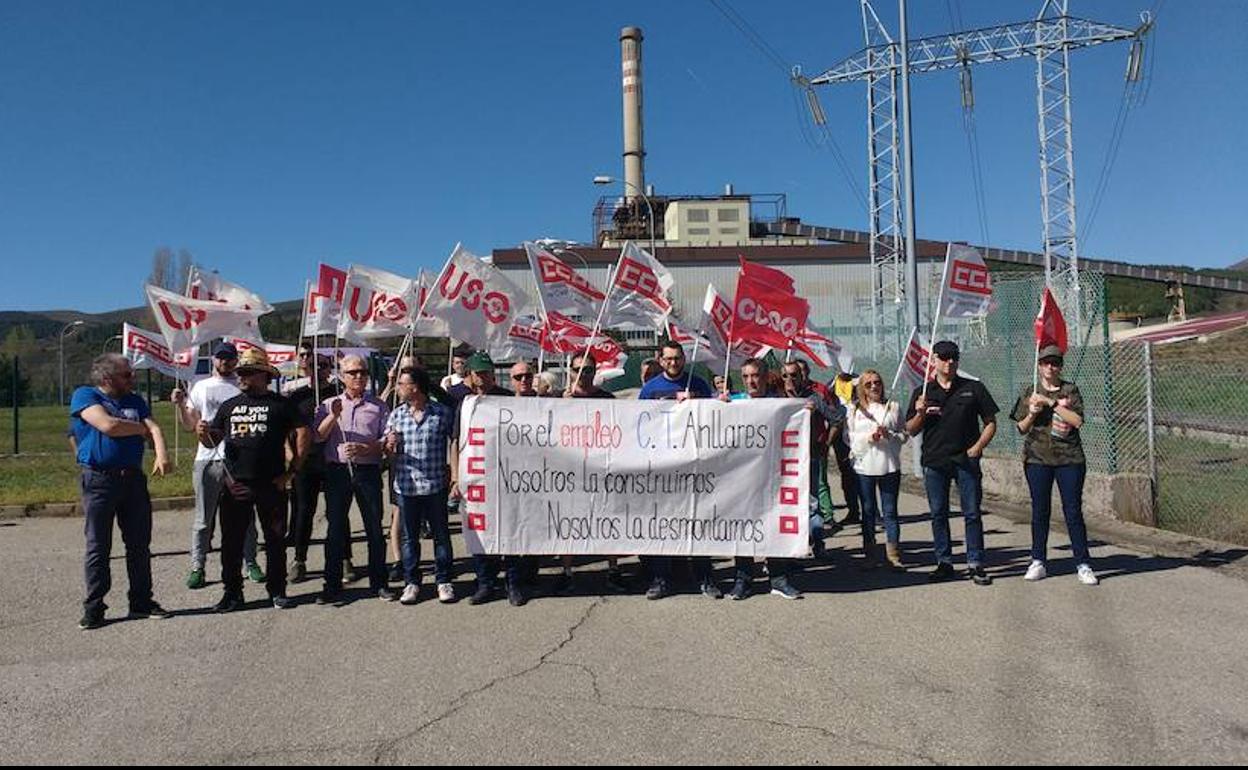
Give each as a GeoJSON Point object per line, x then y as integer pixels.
{"type": "Point", "coordinates": [17, 378]}
{"type": "Point", "coordinates": [1150, 415]}
{"type": "Point", "coordinates": [1107, 364]}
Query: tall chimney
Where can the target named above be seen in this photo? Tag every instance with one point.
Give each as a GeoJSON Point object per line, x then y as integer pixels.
{"type": "Point", "coordinates": [634, 146]}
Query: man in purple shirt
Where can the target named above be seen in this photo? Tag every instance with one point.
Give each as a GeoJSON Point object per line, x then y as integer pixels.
{"type": "Point", "coordinates": [352, 426]}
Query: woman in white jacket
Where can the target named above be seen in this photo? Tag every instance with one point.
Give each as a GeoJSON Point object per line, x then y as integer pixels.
{"type": "Point", "coordinates": [875, 433]}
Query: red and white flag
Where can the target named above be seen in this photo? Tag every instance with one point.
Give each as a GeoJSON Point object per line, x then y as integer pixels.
{"type": "Point", "coordinates": [765, 309]}
{"type": "Point", "coordinates": [323, 306]}
{"type": "Point", "coordinates": [716, 326]}
{"type": "Point", "coordinates": [478, 303]}
{"type": "Point", "coordinates": [913, 367]}
{"type": "Point", "coordinates": [565, 336]}
{"type": "Point", "coordinates": [696, 344]}
{"type": "Point", "coordinates": [147, 350]}
{"type": "Point", "coordinates": [1050, 326]}
{"type": "Point", "coordinates": [822, 349]}
{"type": "Point", "coordinates": [560, 288]}
{"type": "Point", "coordinates": [523, 341]}
{"type": "Point", "coordinates": [186, 323]}
{"type": "Point", "coordinates": [427, 325]}
{"type": "Point", "coordinates": [376, 303]}
{"type": "Point", "coordinates": [968, 284]}
{"type": "Point", "coordinates": [638, 291]}
{"type": "Point", "coordinates": [205, 285]}
{"type": "Point", "coordinates": [284, 357]}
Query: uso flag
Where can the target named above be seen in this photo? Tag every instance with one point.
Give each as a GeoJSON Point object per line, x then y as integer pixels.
{"type": "Point", "coordinates": [765, 309]}
{"type": "Point", "coordinates": [638, 291]}
{"type": "Point", "coordinates": [324, 301]}
{"type": "Point", "coordinates": [186, 322]}
{"type": "Point", "coordinates": [968, 285]}
{"type": "Point", "coordinates": [376, 303]}
{"type": "Point", "coordinates": [478, 303]}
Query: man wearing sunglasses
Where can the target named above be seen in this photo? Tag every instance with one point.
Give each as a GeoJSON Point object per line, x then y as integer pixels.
{"type": "Point", "coordinates": [110, 422]}
{"type": "Point", "coordinates": [352, 426]}
{"type": "Point", "coordinates": [949, 412]}
{"type": "Point", "coordinates": [522, 379]}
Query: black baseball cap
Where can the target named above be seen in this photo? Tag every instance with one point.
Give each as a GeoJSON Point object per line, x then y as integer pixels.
{"type": "Point", "coordinates": [226, 351]}
{"type": "Point", "coordinates": [945, 349]}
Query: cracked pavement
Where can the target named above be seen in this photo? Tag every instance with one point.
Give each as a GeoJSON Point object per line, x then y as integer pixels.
{"type": "Point", "coordinates": [870, 668]}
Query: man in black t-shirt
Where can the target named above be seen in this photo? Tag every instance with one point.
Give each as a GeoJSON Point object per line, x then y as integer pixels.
{"type": "Point", "coordinates": [256, 426]}
{"type": "Point", "coordinates": [949, 412]}
{"type": "Point", "coordinates": [309, 480]}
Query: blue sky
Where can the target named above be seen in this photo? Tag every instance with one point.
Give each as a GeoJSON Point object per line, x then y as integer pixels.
{"type": "Point", "coordinates": [267, 136]}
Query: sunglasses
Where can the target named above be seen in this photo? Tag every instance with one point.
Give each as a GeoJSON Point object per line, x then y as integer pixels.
{"type": "Point", "coordinates": [946, 358]}
{"type": "Point", "coordinates": [356, 372]}
{"type": "Point", "coordinates": [873, 384]}
{"type": "Point", "coordinates": [525, 376]}
{"type": "Point", "coordinates": [790, 376]}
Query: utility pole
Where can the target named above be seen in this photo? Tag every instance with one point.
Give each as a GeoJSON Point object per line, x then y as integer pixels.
{"type": "Point", "coordinates": [1049, 39]}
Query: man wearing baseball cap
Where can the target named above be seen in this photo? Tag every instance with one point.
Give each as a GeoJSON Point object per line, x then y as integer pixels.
{"type": "Point", "coordinates": [205, 398]}
{"type": "Point", "coordinates": [949, 411]}
{"type": "Point", "coordinates": [255, 428]}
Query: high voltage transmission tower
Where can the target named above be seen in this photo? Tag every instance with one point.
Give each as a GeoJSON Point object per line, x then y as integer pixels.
{"type": "Point", "coordinates": [1049, 39]}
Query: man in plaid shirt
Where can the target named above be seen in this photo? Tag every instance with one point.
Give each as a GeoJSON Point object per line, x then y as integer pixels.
{"type": "Point", "coordinates": [417, 433]}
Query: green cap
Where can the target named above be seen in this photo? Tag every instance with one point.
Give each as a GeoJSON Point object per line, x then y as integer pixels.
{"type": "Point", "coordinates": [480, 362]}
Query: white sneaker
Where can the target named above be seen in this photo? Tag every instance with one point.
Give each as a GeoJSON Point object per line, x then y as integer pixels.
{"type": "Point", "coordinates": [411, 593]}
{"type": "Point", "coordinates": [1036, 571]}
{"type": "Point", "coordinates": [446, 593]}
{"type": "Point", "coordinates": [1087, 576]}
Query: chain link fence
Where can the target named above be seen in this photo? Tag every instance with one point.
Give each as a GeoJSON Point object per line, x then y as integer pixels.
{"type": "Point", "coordinates": [1150, 410]}
{"type": "Point", "coordinates": [1200, 442]}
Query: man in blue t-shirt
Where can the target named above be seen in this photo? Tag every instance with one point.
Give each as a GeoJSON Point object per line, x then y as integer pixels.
{"type": "Point", "coordinates": [675, 383]}
{"type": "Point", "coordinates": [110, 422]}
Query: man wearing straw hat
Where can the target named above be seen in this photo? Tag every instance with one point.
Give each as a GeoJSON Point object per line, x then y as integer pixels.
{"type": "Point", "coordinates": [255, 427]}
{"type": "Point", "coordinates": [205, 398]}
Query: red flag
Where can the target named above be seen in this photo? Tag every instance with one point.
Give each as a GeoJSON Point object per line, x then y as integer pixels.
{"type": "Point", "coordinates": [1050, 327]}
{"type": "Point", "coordinates": [770, 276]}
{"type": "Point", "coordinates": [767, 314]}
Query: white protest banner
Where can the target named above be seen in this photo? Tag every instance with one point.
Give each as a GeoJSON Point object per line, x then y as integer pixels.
{"type": "Point", "coordinates": [205, 285]}
{"type": "Point", "coordinates": [590, 476]}
{"type": "Point", "coordinates": [376, 303]}
{"type": "Point", "coordinates": [968, 284]}
{"type": "Point", "coordinates": [324, 301]}
{"type": "Point", "coordinates": [638, 292]}
{"type": "Point", "coordinates": [186, 322]}
{"type": "Point", "coordinates": [477, 302]}
{"type": "Point", "coordinates": [147, 350]}
{"type": "Point", "coordinates": [560, 288]}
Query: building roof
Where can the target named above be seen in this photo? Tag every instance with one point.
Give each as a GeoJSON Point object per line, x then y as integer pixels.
{"type": "Point", "coordinates": [700, 255]}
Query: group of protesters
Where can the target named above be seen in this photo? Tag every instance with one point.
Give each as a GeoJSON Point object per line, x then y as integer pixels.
{"type": "Point", "coordinates": [270, 457]}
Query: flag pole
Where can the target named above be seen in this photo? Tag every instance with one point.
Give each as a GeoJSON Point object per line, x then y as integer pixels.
{"type": "Point", "coordinates": [940, 299]}
{"type": "Point", "coordinates": [692, 359]}
{"type": "Point", "coordinates": [598, 323]}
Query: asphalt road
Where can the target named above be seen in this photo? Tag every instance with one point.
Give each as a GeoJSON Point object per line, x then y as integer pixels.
{"type": "Point", "coordinates": [1148, 667]}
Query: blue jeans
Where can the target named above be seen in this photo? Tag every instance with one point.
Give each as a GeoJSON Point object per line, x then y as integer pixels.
{"type": "Point", "coordinates": [888, 485]}
{"type": "Point", "coordinates": [120, 495]}
{"type": "Point", "coordinates": [1069, 479]}
{"type": "Point", "coordinates": [431, 508]}
{"type": "Point", "coordinates": [970, 490]}
{"type": "Point", "coordinates": [365, 486]}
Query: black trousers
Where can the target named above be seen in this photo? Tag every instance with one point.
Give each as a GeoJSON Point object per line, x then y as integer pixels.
{"type": "Point", "coordinates": [268, 503]}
